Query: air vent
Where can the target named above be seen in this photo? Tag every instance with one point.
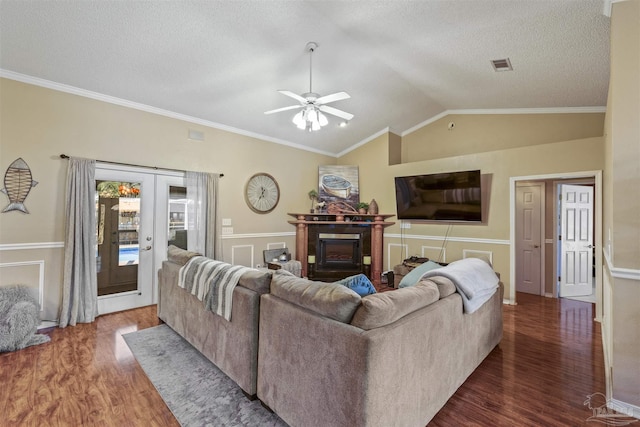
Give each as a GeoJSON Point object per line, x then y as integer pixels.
{"type": "Point", "coordinates": [501, 64]}
{"type": "Point", "coordinates": [196, 135]}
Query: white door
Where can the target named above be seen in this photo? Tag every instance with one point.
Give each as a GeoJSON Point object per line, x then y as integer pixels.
{"type": "Point", "coordinates": [576, 240]}
{"type": "Point", "coordinates": [529, 237]}
{"type": "Point", "coordinates": [125, 219]}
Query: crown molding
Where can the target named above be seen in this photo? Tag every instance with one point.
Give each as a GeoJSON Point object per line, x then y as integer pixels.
{"type": "Point", "coordinates": [36, 81]}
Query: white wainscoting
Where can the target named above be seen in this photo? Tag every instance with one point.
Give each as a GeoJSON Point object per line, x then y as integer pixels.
{"type": "Point", "coordinates": [243, 255]}
{"type": "Point", "coordinates": [24, 246]}
{"type": "Point", "coordinates": [404, 248]}
{"type": "Point", "coordinates": [473, 253]}
{"type": "Point", "coordinates": [448, 239]}
{"type": "Point", "coordinates": [276, 245]}
{"type": "Point", "coordinates": [39, 264]}
{"type": "Point", "coordinates": [433, 253]}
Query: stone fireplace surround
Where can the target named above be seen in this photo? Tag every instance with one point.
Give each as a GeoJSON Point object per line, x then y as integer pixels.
{"type": "Point", "coordinates": [332, 247]}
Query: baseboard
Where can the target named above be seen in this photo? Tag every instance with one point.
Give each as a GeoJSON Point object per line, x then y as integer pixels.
{"type": "Point", "coordinates": [47, 324]}
{"type": "Point", "coordinates": [548, 295]}
{"type": "Point", "coordinates": [624, 408]}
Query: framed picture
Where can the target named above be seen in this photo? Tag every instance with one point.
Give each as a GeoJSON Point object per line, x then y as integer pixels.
{"type": "Point", "coordinates": [338, 184]}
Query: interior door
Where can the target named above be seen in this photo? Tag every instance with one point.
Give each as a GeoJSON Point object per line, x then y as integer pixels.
{"type": "Point", "coordinates": [529, 237]}
{"type": "Point", "coordinates": [576, 240]}
{"type": "Point", "coordinates": [125, 233]}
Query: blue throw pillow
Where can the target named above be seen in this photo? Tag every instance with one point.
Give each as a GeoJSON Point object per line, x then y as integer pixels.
{"type": "Point", "coordinates": [359, 283]}
{"type": "Point", "coordinates": [414, 275]}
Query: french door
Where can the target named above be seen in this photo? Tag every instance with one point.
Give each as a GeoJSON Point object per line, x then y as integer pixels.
{"type": "Point", "coordinates": [132, 216]}
{"type": "Point", "coordinates": [124, 217]}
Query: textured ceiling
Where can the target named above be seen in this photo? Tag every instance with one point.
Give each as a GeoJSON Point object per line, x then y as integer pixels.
{"type": "Point", "coordinates": [402, 62]}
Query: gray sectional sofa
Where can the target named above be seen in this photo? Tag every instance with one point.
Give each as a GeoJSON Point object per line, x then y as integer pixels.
{"type": "Point", "coordinates": [231, 346]}
{"type": "Point", "coordinates": [318, 354]}
{"type": "Point", "coordinates": [330, 358]}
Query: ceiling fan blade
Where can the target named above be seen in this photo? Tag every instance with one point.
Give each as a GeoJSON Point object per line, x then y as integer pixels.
{"type": "Point", "coordinates": [338, 96]}
{"type": "Point", "coordinates": [336, 112]}
{"type": "Point", "coordinates": [294, 96]}
{"type": "Point", "coordinates": [277, 110]}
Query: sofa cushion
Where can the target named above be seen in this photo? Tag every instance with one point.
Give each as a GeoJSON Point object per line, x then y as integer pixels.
{"type": "Point", "coordinates": [328, 299]}
{"type": "Point", "coordinates": [179, 256]}
{"type": "Point", "coordinates": [359, 283]}
{"type": "Point", "coordinates": [445, 285]}
{"type": "Point", "coordinates": [256, 280]}
{"type": "Point", "coordinates": [386, 307]}
{"type": "Point", "coordinates": [414, 275]}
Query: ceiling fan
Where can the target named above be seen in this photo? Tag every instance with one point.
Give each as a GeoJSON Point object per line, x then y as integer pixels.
{"type": "Point", "coordinates": [312, 105]}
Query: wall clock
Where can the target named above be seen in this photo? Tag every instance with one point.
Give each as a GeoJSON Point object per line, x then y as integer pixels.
{"type": "Point", "coordinates": [262, 193]}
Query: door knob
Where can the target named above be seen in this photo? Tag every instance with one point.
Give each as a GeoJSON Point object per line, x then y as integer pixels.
{"type": "Point", "coordinates": [147, 248]}
{"type": "Point", "coordinates": [149, 238]}
{"type": "Point", "coordinates": [536, 246]}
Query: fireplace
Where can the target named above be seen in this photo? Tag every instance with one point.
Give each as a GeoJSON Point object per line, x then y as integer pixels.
{"type": "Point", "coordinates": [334, 246]}
{"type": "Point", "coordinates": [338, 250]}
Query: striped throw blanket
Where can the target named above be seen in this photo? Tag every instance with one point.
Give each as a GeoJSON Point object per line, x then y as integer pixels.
{"type": "Point", "coordinates": [212, 282]}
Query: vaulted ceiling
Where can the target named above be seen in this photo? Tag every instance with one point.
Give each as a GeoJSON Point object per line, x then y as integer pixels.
{"type": "Point", "coordinates": [403, 62]}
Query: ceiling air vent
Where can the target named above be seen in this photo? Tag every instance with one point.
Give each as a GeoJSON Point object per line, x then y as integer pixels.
{"type": "Point", "coordinates": [501, 64]}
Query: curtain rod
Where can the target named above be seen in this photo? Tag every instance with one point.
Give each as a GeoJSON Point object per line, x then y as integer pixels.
{"type": "Point", "coordinates": [64, 156]}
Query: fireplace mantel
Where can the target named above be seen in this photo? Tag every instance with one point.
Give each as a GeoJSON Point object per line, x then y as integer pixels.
{"type": "Point", "coordinates": [374, 225]}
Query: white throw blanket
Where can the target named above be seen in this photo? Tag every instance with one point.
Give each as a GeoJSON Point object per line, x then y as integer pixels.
{"type": "Point", "coordinates": [212, 282]}
{"type": "Point", "coordinates": [474, 278]}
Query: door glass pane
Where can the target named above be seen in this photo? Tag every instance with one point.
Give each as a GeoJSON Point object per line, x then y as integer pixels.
{"type": "Point", "coordinates": [118, 223]}
{"type": "Point", "coordinates": [178, 216]}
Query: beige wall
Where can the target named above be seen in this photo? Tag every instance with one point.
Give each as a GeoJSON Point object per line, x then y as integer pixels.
{"type": "Point", "coordinates": [39, 124]}
{"type": "Point", "coordinates": [622, 208]}
{"type": "Point", "coordinates": [490, 238]}
{"type": "Point", "coordinates": [492, 132]}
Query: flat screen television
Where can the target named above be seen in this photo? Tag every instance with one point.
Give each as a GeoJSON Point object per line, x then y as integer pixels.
{"type": "Point", "coordinates": [446, 197]}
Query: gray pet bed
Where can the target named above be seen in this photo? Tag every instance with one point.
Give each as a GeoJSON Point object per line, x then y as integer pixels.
{"type": "Point", "coordinates": [19, 319]}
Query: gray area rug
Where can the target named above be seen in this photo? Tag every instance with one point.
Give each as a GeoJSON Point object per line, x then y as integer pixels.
{"type": "Point", "coordinates": [194, 389]}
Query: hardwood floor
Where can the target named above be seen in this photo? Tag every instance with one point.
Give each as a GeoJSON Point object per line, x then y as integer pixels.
{"type": "Point", "coordinates": [549, 360]}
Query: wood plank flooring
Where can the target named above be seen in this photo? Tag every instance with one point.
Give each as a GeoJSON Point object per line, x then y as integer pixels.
{"type": "Point", "coordinates": [549, 360]}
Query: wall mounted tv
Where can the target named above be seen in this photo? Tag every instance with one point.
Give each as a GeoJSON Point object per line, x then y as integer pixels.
{"type": "Point", "coordinates": [446, 197]}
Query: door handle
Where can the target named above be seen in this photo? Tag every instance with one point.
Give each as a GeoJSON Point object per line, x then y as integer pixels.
{"type": "Point", "coordinates": [536, 246]}
{"type": "Point", "coordinates": [146, 248]}
{"type": "Point", "coordinates": [590, 246]}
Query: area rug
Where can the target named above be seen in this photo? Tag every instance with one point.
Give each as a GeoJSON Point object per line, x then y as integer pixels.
{"type": "Point", "coordinates": [194, 389]}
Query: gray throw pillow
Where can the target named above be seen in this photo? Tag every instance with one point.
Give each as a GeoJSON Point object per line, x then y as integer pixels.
{"type": "Point", "coordinates": [384, 308]}
{"type": "Point", "coordinates": [327, 299]}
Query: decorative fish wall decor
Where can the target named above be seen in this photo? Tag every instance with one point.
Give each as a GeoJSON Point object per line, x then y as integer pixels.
{"type": "Point", "coordinates": [17, 185]}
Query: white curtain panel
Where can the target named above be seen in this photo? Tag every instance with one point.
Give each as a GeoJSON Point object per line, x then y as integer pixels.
{"type": "Point", "coordinates": [203, 229]}
{"type": "Point", "coordinates": [80, 283]}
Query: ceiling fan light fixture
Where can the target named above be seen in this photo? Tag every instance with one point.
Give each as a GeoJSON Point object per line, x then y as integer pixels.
{"type": "Point", "coordinates": [299, 120]}
{"type": "Point", "coordinates": [322, 119]}
{"type": "Point", "coordinates": [310, 118]}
